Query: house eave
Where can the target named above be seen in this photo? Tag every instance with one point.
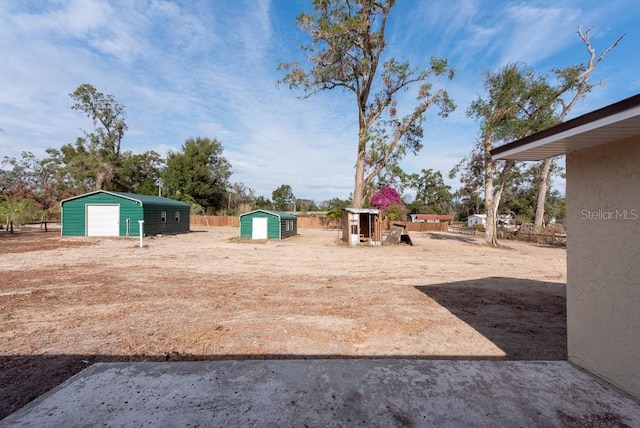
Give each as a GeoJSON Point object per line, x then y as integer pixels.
{"type": "Point", "coordinates": [615, 122]}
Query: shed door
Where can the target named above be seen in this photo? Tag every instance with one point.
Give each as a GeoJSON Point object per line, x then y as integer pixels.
{"type": "Point", "coordinates": [259, 227]}
{"type": "Point", "coordinates": [103, 220]}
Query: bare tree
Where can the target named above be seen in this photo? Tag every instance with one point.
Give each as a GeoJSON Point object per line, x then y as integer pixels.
{"type": "Point", "coordinates": [576, 80]}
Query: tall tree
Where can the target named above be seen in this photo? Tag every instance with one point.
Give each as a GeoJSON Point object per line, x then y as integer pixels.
{"type": "Point", "coordinates": [574, 82]}
{"type": "Point", "coordinates": [518, 102]}
{"type": "Point", "coordinates": [283, 198]}
{"type": "Point", "coordinates": [198, 173]}
{"type": "Point", "coordinates": [348, 40]}
{"type": "Point", "coordinates": [95, 159]}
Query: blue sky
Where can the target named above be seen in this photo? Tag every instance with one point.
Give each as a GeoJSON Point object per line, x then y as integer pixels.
{"type": "Point", "coordinates": [209, 69]}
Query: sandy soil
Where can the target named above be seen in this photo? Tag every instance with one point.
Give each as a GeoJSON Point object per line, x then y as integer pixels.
{"type": "Point", "coordinates": [66, 303]}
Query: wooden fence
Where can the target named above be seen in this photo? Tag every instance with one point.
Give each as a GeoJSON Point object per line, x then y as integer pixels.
{"type": "Point", "coordinates": [554, 239]}
{"type": "Point", "coordinates": [417, 226]}
{"type": "Point", "coordinates": [214, 221]}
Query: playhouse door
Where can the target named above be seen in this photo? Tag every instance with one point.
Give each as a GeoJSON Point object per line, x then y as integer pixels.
{"type": "Point", "coordinates": [259, 227]}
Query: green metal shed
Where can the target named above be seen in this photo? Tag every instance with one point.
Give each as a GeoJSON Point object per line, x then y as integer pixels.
{"type": "Point", "coordinates": [105, 213]}
{"type": "Point", "coordinates": [267, 224]}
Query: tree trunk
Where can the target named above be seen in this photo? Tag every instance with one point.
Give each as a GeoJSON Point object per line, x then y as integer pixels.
{"type": "Point", "coordinates": [544, 182]}
{"type": "Point", "coordinates": [490, 227]}
{"type": "Point", "coordinates": [490, 234]}
{"type": "Point", "coordinates": [358, 190]}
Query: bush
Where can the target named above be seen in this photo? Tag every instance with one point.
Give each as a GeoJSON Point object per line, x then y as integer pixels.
{"type": "Point", "coordinates": [20, 211]}
{"type": "Point", "coordinates": [479, 227]}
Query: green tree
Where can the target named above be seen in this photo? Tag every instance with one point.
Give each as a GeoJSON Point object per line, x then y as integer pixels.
{"type": "Point", "coordinates": [94, 161]}
{"type": "Point", "coordinates": [335, 206]}
{"type": "Point", "coordinates": [198, 173]}
{"type": "Point", "coordinates": [19, 211]}
{"type": "Point", "coordinates": [433, 196]}
{"type": "Point", "coordinates": [306, 205]}
{"type": "Point", "coordinates": [283, 198]}
{"type": "Point", "coordinates": [263, 203]}
{"type": "Point", "coordinates": [518, 102]}
{"type": "Point", "coordinates": [140, 173]}
{"type": "Point", "coordinates": [348, 41]}
{"type": "Point", "coordinates": [41, 180]}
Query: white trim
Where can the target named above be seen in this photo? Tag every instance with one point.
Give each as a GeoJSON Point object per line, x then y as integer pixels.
{"type": "Point", "coordinates": [582, 129]}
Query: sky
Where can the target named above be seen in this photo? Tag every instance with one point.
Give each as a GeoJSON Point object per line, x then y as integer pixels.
{"type": "Point", "coordinates": [188, 68]}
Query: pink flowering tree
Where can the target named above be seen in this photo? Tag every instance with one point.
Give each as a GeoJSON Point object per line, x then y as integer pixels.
{"type": "Point", "coordinates": [388, 200]}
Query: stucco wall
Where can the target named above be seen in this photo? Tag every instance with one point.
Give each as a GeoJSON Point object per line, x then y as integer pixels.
{"type": "Point", "coordinates": [603, 261]}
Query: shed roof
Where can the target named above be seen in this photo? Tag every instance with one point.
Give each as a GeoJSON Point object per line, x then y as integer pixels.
{"type": "Point", "coordinates": [362, 210]}
{"type": "Point", "coordinates": [281, 214]}
{"type": "Point", "coordinates": [608, 124]}
{"type": "Point", "coordinates": [142, 199]}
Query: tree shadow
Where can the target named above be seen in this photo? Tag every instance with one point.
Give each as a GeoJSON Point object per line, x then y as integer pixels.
{"type": "Point", "coordinates": [526, 319]}
{"type": "Point", "coordinates": [450, 237]}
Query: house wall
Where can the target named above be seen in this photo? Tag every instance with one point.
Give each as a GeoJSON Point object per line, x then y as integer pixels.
{"type": "Point", "coordinates": [473, 220]}
{"type": "Point", "coordinates": [603, 272]}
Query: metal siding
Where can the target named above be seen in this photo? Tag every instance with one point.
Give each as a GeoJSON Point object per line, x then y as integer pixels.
{"type": "Point", "coordinates": [287, 233]}
{"type": "Point", "coordinates": [153, 224]}
{"type": "Point", "coordinates": [129, 210]}
{"type": "Point", "coordinates": [273, 228]}
{"type": "Point", "coordinates": [74, 219]}
{"type": "Point", "coordinates": [273, 225]}
{"type": "Point", "coordinates": [246, 226]}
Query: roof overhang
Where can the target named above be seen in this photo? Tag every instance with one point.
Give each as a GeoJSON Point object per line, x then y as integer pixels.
{"type": "Point", "coordinates": [362, 210]}
{"type": "Point", "coordinates": [612, 123]}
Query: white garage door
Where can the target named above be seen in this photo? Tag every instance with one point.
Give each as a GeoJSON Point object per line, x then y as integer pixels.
{"type": "Point", "coordinates": [259, 227]}
{"type": "Point", "coordinates": [103, 220]}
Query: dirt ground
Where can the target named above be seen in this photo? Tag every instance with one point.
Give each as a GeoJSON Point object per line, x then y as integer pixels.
{"type": "Point", "coordinates": [66, 303]}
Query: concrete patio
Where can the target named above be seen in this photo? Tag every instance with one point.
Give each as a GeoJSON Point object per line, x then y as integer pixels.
{"type": "Point", "coordinates": [333, 392]}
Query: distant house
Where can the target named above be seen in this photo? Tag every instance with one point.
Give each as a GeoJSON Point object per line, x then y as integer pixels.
{"type": "Point", "coordinates": [603, 225]}
{"type": "Point", "coordinates": [430, 218]}
{"type": "Point", "coordinates": [474, 219]}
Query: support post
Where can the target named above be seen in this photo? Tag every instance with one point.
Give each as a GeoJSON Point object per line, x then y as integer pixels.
{"type": "Point", "coordinates": [141, 223]}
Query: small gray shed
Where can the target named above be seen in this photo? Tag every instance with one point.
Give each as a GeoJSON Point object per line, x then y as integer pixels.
{"type": "Point", "coordinates": [268, 224]}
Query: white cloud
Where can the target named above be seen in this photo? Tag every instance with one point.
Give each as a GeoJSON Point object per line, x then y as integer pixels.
{"type": "Point", "coordinates": [188, 69]}
{"type": "Point", "coordinates": [536, 33]}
